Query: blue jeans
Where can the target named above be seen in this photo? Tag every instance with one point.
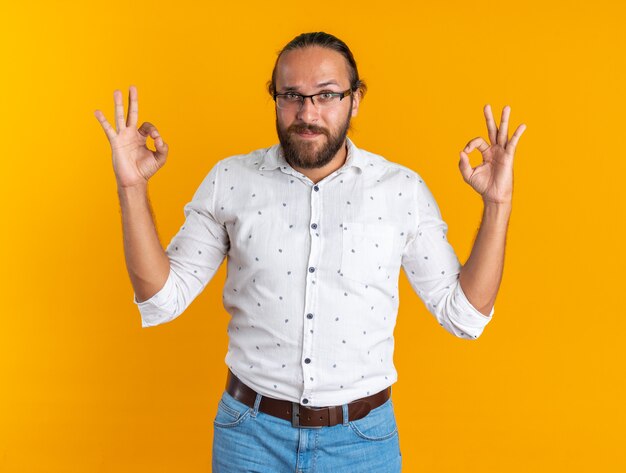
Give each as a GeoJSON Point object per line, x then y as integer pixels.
{"type": "Point", "coordinates": [246, 440]}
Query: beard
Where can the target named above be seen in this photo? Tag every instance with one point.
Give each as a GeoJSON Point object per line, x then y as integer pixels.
{"type": "Point", "coordinates": [308, 154]}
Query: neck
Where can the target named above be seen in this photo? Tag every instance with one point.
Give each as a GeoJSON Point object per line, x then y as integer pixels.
{"type": "Point", "coordinates": [317, 174]}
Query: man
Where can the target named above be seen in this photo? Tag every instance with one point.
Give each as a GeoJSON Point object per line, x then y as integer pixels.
{"type": "Point", "coordinates": [316, 231]}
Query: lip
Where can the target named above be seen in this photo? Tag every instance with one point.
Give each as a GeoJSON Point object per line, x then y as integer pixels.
{"type": "Point", "coordinates": [309, 135]}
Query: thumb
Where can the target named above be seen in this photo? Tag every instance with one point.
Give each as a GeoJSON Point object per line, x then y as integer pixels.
{"type": "Point", "coordinates": [465, 167]}
{"type": "Point", "coordinates": [161, 149]}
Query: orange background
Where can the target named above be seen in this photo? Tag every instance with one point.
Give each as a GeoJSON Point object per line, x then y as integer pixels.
{"type": "Point", "coordinates": [85, 389]}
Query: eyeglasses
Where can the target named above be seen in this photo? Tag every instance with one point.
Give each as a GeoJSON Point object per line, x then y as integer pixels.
{"type": "Point", "coordinates": [293, 100]}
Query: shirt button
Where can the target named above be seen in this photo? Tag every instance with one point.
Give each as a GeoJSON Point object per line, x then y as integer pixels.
{"type": "Point", "coordinates": [309, 316]}
{"type": "Point", "coordinates": [307, 360]}
{"type": "Point", "coordinates": [314, 226]}
{"type": "Point", "coordinates": [316, 188]}
{"type": "Point", "coordinates": [311, 269]}
{"type": "Point", "coordinates": [305, 401]}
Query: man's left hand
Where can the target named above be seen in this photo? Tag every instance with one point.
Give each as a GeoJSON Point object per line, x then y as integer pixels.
{"type": "Point", "coordinates": [493, 179]}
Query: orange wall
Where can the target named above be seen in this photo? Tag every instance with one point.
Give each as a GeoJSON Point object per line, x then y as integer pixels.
{"type": "Point", "coordinates": [83, 388]}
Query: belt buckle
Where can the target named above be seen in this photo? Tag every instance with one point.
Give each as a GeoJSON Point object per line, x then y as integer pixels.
{"type": "Point", "coordinates": [295, 418]}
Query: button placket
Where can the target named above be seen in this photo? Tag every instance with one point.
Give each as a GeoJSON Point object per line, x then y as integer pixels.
{"type": "Point", "coordinates": [310, 302]}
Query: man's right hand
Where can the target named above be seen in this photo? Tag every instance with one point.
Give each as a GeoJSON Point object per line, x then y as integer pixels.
{"type": "Point", "coordinates": [133, 162]}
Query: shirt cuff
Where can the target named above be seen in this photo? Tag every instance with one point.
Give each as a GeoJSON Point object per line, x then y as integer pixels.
{"type": "Point", "coordinates": [156, 310]}
{"type": "Point", "coordinates": [470, 315]}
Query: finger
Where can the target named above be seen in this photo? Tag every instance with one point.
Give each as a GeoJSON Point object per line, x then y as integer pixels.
{"type": "Point", "coordinates": [161, 149]}
{"type": "Point", "coordinates": [514, 139]}
{"type": "Point", "coordinates": [133, 107]}
{"type": "Point", "coordinates": [503, 131]}
{"type": "Point", "coordinates": [479, 143]}
{"type": "Point", "coordinates": [465, 167]}
{"type": "Point", "coordinates": [148, 129]}
{"type": "Point", "coordinates": [108, 129]}
{"type": "Point", "coordinates": [492, 129]}
{"type": "Point", "coordinates": [119, 110]}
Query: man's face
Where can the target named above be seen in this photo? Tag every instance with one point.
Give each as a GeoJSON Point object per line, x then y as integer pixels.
{"type": "Point", "coordinates": [311, 137]}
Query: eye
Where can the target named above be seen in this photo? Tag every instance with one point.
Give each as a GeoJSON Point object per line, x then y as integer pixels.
{"type": "Point", "coordinates": [292, 97]}
{"type": "Point", "coordinates": [326, 96]}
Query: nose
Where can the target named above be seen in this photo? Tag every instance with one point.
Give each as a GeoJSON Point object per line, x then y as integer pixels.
{"type": "Point", "coordinates": [308, 112]}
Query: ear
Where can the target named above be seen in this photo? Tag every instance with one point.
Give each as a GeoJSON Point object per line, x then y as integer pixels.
{"type": "Point", "coordinates": [355, 102]}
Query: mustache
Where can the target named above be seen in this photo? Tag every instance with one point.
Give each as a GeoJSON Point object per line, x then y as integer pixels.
{"type": "Point", "coordinates": [300, 128]}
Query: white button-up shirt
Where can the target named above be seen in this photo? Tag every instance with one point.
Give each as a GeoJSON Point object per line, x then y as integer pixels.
{"type": "Point", "coordinates": [312, 280]}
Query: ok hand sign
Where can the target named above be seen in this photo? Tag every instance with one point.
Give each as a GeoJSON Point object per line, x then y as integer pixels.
{"type": "Point", "coordinates": [133, 162]}
{"type": "Point", "coordinates": [493, 179]}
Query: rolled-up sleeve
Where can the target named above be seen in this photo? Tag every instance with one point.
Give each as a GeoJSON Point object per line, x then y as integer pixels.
{"type": "Point", "coordinates": [195, 253]}
{"type": "Point", "coordinates": [433, 269]}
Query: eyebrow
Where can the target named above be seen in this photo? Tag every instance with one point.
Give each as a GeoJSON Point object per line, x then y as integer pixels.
{"type": "Point", "coordinates": [321, 84]}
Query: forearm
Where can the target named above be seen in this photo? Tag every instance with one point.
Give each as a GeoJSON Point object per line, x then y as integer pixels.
{"type": "Point", "coordinates": [147, 263]}
{"type": "Point", "coordinates": [481, 275]}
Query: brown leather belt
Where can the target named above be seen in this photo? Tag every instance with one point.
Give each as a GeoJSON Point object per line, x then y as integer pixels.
{"type": "Point", "coordinates": [304, 416]}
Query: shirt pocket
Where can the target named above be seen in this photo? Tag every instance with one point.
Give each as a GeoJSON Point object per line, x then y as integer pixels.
{"type": "Point", "coordinates": [367, 251]}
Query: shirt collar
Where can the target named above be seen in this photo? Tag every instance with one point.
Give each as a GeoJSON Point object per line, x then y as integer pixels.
{"type": "Point", "coordinates": [274, 158]}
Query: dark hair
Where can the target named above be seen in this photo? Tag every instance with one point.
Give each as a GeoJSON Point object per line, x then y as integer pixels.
{"type": "Point", "coordinates": [325, 40]}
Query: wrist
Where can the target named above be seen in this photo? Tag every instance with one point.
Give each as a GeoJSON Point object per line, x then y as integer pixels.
{"type": "Point", "coordinates": [132, 191]}
{"type": "Point", "coordinates": [497, 211]}
{"type": "Point", "coordinates": [498, 204]}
